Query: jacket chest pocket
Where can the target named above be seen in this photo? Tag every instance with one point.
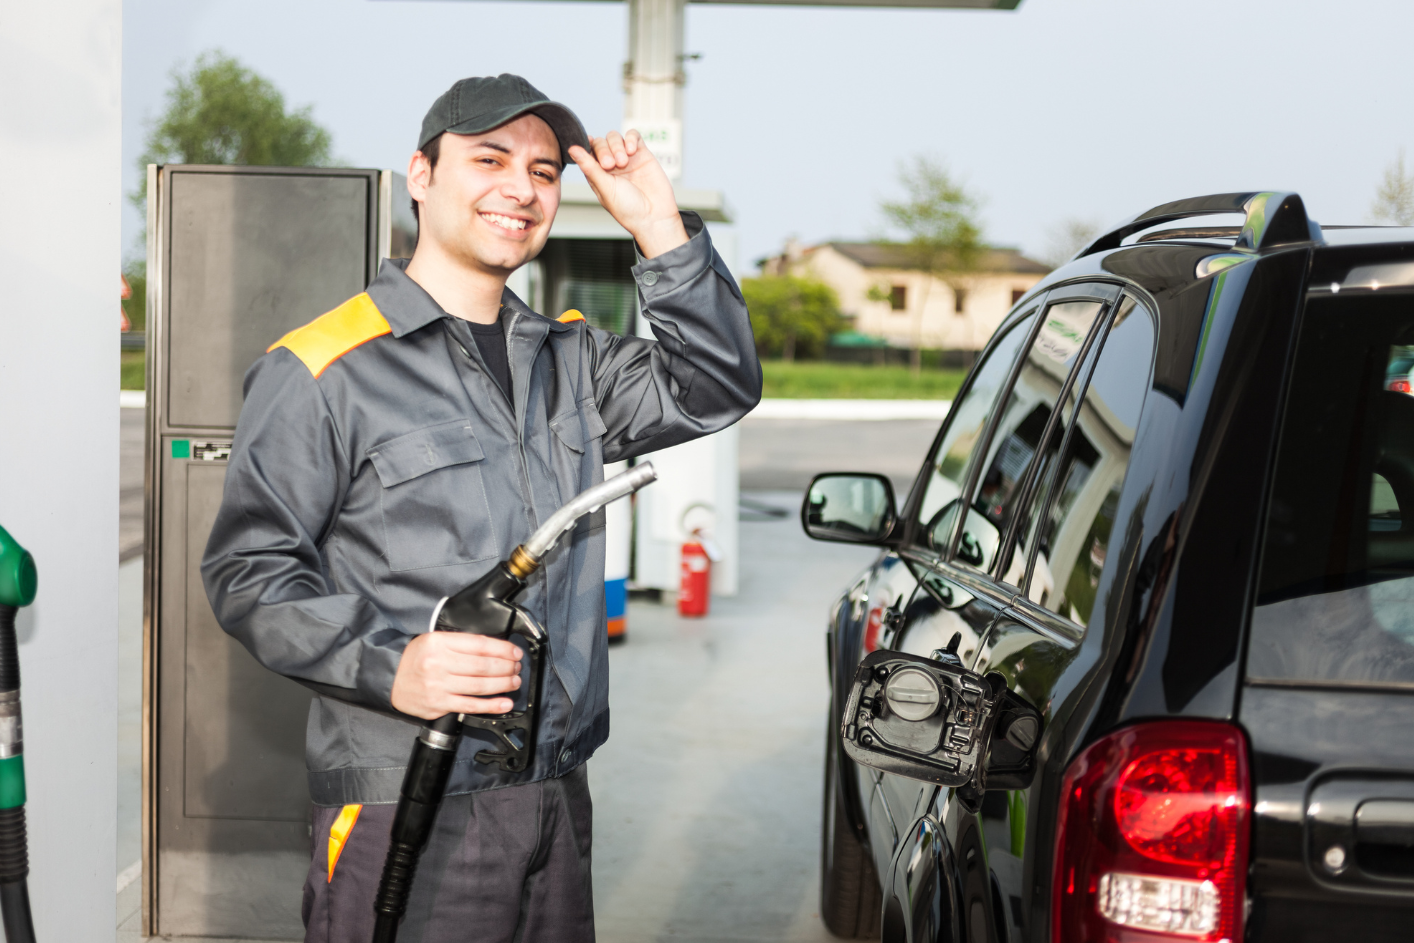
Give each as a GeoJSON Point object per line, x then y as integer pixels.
{"type": "Point", "coordinates": [433, 503]}
{"type": "Point", "coordinates": [579, 426]}
{"type": "Point", "coordinates": [576, 430]}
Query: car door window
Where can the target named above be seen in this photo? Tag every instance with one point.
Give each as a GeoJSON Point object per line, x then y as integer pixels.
{"type": "Point", "coordinates": [1059, 344]}
{"type": "Point", "coordinates": [1067, 546]}
{"type": "Point", "coordinates": [948, 464]}
{"type": "Point", "coordinates": [1335, 601]}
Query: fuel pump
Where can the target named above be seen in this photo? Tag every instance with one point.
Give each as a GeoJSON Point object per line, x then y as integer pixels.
{"type": "Point", "coordinates": [18, 579]}
{"type": "Point", "coordinates": [485, 607]}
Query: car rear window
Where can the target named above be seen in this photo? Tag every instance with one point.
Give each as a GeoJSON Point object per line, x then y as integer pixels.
{"type": "Point", "coordinates": [1336, 593]}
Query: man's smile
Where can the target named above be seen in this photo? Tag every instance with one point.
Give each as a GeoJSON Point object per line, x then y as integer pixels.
{"type": "Point", "coordinates": [512, 223]}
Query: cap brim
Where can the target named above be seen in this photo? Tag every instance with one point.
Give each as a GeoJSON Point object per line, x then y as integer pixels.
{"type": "Point", "coordinates": [562, 121]}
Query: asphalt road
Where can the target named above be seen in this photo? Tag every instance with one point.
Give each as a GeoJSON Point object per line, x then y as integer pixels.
{"type": "Point", "coordinates": [707, 795]}
{"type": "Point", "coordinates": [785, 453]}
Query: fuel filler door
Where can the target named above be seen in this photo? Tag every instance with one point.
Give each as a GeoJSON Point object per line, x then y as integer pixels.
{"type": "Point", "coordinates": [932, 720]}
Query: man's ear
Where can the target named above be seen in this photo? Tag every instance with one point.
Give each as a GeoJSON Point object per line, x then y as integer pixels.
{"type": "Point", "coordinates": [419, 176]}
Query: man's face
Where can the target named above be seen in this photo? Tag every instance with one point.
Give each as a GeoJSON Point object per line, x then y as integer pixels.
{"type": "Point", "coordinates": [492, 197]}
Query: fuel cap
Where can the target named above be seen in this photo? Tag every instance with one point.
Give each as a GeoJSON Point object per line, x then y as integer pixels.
{"type": "Point", "coordinates": [913, 694]}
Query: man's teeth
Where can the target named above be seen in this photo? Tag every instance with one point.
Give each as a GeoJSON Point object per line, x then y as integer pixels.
{"type": "Point", "coordinates": [505, 222]}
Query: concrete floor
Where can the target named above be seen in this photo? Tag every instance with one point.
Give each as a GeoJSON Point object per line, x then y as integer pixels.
{"type": "Point", "coordinates": [787, 453]}
{"type": "Point", "coordinates": [707, 795]}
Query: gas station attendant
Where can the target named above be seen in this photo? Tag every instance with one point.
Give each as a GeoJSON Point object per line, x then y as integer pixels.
{"type": "Point", "coordinates": [397, 448]}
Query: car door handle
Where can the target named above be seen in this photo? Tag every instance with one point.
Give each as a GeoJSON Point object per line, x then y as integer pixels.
{"type": "Point", "coordinates": [1384, 838]}
{"type": "Point", "coordinates": [1360, 831]}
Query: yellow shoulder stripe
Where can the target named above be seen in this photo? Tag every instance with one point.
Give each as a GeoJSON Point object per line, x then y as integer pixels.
{"type": "Point", "coordinates": [339, 835]}
{"type": "Point", "coordinates": [570, 315]}
{"type": "Point", "coordinates": [330, 336]}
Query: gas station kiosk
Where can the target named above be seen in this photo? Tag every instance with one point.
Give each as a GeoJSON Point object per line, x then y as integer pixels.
{"type": "Point", "coordinates": [237, 257]}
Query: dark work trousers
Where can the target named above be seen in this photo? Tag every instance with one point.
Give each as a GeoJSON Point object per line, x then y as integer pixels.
{"type": "Point", "coordinates": [508, 865]}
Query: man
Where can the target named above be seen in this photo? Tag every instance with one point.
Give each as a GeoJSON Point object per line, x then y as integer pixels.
{"type": "Point", "coordinates": [395, 449]}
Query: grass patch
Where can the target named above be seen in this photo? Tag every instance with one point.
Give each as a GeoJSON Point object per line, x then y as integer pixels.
{"type": "Point", "coordinates": [818, 379]}
{"type": "Point", "coordinates": [134, 367]}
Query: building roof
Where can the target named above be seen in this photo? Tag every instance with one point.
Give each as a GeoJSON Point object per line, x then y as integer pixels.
{"type": "Point", "coordinates": [896, 256]}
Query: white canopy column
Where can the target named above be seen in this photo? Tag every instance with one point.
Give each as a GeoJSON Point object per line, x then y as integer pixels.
{"type": "Point", "coordinates": [654, 78]}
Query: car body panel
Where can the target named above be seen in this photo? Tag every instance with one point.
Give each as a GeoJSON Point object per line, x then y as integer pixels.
{"type": "Point", "coordinates": [1166, 636]}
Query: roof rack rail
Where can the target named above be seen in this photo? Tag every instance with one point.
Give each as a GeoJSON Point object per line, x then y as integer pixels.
{"type": "Point", "coordinates": [1273, 218]}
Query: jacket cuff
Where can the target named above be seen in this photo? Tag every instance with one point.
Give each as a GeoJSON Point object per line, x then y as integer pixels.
{"type": "Point", "coordinates": [378, 665]}
{"type": "Point", "coordinates": [662, 274]}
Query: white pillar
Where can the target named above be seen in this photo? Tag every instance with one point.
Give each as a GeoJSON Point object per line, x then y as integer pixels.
{"type": "Point", "coordinates": [654, 78]}
{"type": "Point", "coordinates": [60, 160]}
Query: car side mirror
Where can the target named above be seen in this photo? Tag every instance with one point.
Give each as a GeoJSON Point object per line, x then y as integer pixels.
{"type": "Point", "coordinates": [932, 720]}
{"type": "Point", "coordinates": [854, 508]}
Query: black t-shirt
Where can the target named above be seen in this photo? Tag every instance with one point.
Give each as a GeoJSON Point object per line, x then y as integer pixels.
{"type": "Point", "coordinates": [490, 339]}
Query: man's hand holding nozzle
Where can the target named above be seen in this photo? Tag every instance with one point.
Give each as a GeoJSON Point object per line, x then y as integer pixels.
{"type": "Point", "coordinates": [456, 673]}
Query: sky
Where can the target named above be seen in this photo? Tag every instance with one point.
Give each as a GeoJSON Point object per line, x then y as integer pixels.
{"type": "Point", "coordinates": [1060, 110]}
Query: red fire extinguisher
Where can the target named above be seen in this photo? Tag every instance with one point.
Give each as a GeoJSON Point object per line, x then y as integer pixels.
{"type": "Point", "coordinates": [695, 588]}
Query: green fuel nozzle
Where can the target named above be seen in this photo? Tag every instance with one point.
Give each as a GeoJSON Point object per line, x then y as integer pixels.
{"type": "Point", "coordinates": [18, 582]}
{"type": "Point", "coordinates": [18, 577]}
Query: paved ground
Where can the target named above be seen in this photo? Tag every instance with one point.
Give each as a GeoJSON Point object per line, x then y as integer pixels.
{"type": "Point", "coordinates": [786, 453]}
{"type": "Point", "coordinates": [707, 795]}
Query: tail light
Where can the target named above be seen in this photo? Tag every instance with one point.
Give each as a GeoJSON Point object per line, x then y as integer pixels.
{"type": "Point", "coordinates": [1400, 386]}
{"type": "Point", "coordinates": [1152, 839]}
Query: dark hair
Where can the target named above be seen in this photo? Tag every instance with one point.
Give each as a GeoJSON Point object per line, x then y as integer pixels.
{"type": "Point", "coordinates": [431, 150]}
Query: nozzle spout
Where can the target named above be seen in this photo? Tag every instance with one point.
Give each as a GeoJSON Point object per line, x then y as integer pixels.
{"type": "Point", "coordinates": [588, 501]}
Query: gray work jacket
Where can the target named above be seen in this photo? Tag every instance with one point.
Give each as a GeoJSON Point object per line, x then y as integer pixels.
{"type": "Point", "coordinates": [378, 467]}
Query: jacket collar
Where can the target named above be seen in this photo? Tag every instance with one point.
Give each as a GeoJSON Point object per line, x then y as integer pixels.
{"type": "Point", "coordinates": [407, 307]}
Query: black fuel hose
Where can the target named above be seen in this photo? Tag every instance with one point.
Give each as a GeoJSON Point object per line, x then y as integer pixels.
{"type": "Point", "coordinates": [421, 796]}
{"type": "Point", "coordinates": [14, 849]}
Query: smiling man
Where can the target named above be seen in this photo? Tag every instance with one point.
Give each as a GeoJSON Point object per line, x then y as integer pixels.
{"type": "Point", "coordinates": [396, 448]}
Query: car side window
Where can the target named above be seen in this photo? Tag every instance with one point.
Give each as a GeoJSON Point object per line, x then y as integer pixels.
{"type": "Point", "coordinates": [1024, 421]}
{"type": "Point", "coordinates": [948, 464]}
{"type": "Point", "coordinates": [1070, 542]}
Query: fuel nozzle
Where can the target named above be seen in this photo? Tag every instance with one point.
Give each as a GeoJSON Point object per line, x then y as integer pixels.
{"type": "Point", "coordinates": [18, 582]}
{"type": "Point", "coordinates": [485, 607]}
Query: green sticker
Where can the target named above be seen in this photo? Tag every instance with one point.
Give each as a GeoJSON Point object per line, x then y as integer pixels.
{"type": "Point", "coordinates": [12, 782]}
{"type": "Point", "coordinates": [181, 448]}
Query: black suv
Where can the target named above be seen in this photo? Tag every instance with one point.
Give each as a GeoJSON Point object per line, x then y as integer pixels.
{"type": "Point", "coordinates": [1136, 662]}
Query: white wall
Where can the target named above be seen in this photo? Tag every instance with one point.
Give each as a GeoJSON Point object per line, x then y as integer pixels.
{"type": "Point", "coordinates": [60, 68]}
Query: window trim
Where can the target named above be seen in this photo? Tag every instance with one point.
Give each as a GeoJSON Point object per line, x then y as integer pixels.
{"type": "Point", "coordinates": [1051, 485]}
{"type": "Point", "coordinates": [1029, 481]}
{"type": "Point", "coordinates": [909, 513]}
{"type": "Point", "coordinates": [1083, 290]}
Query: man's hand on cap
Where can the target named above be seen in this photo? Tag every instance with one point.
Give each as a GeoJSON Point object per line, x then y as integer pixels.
{"type": "Point", "coordinates": [631, 184]}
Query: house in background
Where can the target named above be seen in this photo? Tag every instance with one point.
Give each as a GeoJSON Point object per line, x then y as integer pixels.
{"type": "Point", "coordinates": [885, 297]}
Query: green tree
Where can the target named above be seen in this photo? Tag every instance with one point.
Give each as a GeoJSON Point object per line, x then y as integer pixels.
{"type": "Point", "coordinates": [1394, 197]}
{"type": "Point", "coordinates": [220, 112]}
{"type": "Point", "coordinates": [791, 316]}
{"type": "Point", "coordinates": [939, 217]}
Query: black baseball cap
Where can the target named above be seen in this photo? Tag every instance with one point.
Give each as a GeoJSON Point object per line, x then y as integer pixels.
{"type": "Point", "coordinates": [477, 105]}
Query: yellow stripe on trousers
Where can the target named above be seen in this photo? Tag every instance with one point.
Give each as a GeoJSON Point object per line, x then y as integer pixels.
{"type": "Point", "coordinates": [339, 834]}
